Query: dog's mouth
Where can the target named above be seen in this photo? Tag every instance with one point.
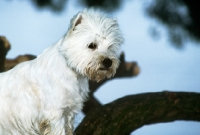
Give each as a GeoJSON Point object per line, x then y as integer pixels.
{"type": "Point", "coordinates": [103, 68]}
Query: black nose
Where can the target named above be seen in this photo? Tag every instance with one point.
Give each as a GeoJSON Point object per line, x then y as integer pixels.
{"type": "Point", "coordinates": [107, 62]}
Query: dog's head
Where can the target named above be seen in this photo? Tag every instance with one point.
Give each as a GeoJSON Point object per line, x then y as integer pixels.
{"type": "Point", "coordinates": [92, 45]}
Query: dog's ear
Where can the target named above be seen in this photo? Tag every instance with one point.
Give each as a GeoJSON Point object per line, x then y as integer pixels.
{"type": "Point", "coordinates": [77, 20]}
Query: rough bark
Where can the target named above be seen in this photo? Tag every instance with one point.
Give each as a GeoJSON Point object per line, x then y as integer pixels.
{"type": "Point", "coordinates": [129, 113]}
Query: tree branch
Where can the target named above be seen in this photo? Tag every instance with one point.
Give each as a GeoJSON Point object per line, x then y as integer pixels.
{"type": "Point", "coordinates": [132, 112]}
{"type": "Point", "coordinates": [10, 63]}
{"type": "Point", "coordinates": [126, 69]}
{"type": "Point", "coordinates": [4, 48]}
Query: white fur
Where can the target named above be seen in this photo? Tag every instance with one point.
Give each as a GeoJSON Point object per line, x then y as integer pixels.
{"type": "Point", "coordinates": [41, 97]}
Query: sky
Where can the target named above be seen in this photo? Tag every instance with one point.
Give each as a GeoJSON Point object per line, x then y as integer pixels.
{"type": "Point", "coordinates": [163, 67]}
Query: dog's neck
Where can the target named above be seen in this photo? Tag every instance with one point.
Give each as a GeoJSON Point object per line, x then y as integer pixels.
{"type": "Point", "coordinates": [51, 58]}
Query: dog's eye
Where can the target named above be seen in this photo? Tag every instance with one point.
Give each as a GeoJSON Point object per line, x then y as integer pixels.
{"type": "Point", "coordinates": [92, 46]}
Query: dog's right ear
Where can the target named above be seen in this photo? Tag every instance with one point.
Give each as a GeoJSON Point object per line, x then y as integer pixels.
{"type": "Point", "coordinates": [77, 20]}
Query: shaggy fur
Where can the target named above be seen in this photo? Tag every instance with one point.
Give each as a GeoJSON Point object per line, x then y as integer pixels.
{"type": "Point", "coordinates": [41, 97]}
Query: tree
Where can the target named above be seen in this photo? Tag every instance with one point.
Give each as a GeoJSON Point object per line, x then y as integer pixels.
{"type": "Point", "coordinates": [180, 16]}
{"type": "Point", "coordinates": [129, 113]}
{"type": "Point", "coordinates": [133, 110]}
{"type": "Point", "coordinates": [58, 5]}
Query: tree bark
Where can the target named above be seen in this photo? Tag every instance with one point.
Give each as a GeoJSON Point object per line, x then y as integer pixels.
{"type": "Point", "coordinates": [129, 113]}
{"type": "Point", "coordinates": [4, 48]}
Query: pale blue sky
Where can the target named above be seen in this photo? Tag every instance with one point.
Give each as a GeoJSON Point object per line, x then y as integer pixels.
{"type": "Point", "coordinates": [163, 67]}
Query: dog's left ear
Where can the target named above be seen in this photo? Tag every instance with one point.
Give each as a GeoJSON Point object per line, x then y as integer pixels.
{"type": "Point", "coordinates": [77, 20]}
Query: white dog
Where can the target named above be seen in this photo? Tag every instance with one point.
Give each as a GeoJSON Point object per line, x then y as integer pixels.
{"type": "Point", "coordinates": [41, 97]}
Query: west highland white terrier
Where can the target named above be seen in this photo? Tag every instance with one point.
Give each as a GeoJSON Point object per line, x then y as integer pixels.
{"type": "Point", "coordinates": [42, 96]}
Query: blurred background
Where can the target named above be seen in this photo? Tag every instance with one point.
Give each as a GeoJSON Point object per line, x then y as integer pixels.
{"type": "Point", "coordinates": [162, 36]}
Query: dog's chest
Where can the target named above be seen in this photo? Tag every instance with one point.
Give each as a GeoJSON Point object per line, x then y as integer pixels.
{"type": "Point", "coordinates": [68, 93]}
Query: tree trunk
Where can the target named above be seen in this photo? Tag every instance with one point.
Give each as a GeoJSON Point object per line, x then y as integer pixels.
{"type": "Point", "coordinates": [129, 113]}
